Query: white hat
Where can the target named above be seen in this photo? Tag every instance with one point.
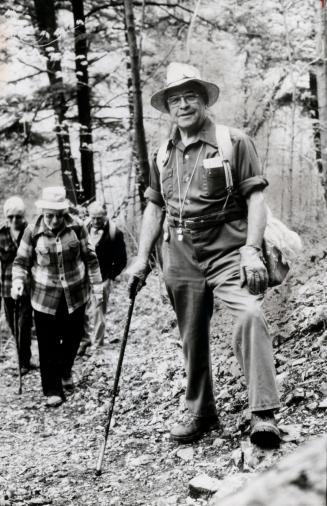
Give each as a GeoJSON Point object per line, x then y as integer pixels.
{"type": "Point", "coordinates": [179, 74]}
{"type": "Point", "coordinates": [14, 205]}
{"type": "Point", "coordinates": [53, 197]}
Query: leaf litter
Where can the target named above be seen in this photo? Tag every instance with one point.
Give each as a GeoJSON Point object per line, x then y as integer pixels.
{"type": "Point", "coordinates": [49, 456]}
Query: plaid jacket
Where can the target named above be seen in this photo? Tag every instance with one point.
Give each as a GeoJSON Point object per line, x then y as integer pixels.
{"type": "Point", "coordinates": [64, 263]}
{"type": "Point", "coordinates": [8, 251]}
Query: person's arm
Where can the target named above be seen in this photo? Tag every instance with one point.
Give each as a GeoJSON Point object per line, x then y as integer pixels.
{"type": "Point", "coordinates": [253, 271]}
{"type": "Point", "coordinates": [151, 227]}
{"type": "Point", "coordinates": [22, 263]}
{"type": "Point", "coordinates": [153, 218]}
{"type": "Point", "coordinates": [90, 259]}
{"type": "Point", "coordinates": [257, 219]}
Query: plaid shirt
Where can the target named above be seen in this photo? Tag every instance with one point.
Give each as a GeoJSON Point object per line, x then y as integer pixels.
{"type": "Point", "coordinates": [63, 263]}
{"type": "Point", "coordinates": [8, 251]}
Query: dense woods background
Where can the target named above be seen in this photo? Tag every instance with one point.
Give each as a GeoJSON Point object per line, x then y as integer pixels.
{"type": "Point", "coordinates": [76, 78]}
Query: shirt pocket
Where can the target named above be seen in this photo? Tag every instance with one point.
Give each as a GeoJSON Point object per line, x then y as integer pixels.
{"type": "Point", "coordinates": [74, 249]}
{"type": "Point", "coordinates": [214, 181]}
{"type": "Point", "coordinates": [43, 256]}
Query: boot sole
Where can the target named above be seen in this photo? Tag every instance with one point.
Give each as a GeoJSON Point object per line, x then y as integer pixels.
{"type": "Point", "coordinates": [266, 439]}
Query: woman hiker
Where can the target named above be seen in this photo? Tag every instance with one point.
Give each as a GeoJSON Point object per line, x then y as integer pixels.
{"type": "Point", "coordinates": [57, 256]}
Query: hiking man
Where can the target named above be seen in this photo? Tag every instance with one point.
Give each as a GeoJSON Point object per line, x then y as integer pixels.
{"type": "Point", "coordinates": [11, 233]}
{"type": "Point", "coordinates": [110, 248]}
{"type": "Point", "coordinates": [214, 232]}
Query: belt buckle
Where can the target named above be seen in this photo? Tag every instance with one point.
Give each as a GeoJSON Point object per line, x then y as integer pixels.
{"type": "Point", "coordinates": [188, 224]}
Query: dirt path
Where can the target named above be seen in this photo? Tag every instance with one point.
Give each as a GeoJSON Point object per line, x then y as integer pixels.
{"type": "Point", "coordinates": [49, 456]}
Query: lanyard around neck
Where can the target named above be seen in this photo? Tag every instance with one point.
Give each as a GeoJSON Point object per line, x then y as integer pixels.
{"type": "Point", "coordinates": [180, 200]}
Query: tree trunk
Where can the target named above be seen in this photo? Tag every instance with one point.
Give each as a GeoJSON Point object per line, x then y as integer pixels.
{"type": "Point", "coordinates": [142, 172]}
{"type": "Point", "coordinates": [322, 98]}
{"type": "Point", "coordinates": [83, 101]}
{"type": "Point", "coordinates": [47, 25]}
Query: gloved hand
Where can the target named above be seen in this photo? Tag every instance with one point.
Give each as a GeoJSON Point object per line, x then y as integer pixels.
{"type": "Point", "coordinates": [253, 271]}
{"type": "Point", "coordinates": [137, 272]}
{"type": "Point", "coordinates": [17, 289]}
{"type": "Point", "coordinates": [98, 293]}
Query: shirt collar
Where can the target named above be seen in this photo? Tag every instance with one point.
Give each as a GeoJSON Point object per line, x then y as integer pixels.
{"type": "Point", "coordinates": [41, 228]}
{"type": "Point", "coordinates": [206, 134]}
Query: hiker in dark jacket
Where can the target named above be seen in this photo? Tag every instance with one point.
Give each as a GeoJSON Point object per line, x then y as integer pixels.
{"type": "Point", "coordinates": [109, 245]}
{"type": "Point", "coordinates": [11, 232]}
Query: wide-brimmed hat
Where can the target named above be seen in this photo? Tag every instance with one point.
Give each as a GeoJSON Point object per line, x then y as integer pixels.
{"type": "Point", "coordinates": [179, 74]}
{"type": "Point", "coordinates": [53, 197]}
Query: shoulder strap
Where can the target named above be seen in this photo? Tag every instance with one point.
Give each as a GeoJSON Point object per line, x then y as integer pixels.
{"type": "Point", "coordinates": [224, 141]}
{"type": "Point", "coordinates": [161, 158]}
{"type": "Point", "coordinates": [162, 155]}
{"type": "Point", "coordinates": [225, 146]}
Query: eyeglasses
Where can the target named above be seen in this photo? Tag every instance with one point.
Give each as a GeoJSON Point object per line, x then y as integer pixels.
{"type": "Point", "coordinates": [189, 98]}
{"type": "Point", "coordinates": [52, 216]}
{"type": "Point", "coordinates": [12, 217]}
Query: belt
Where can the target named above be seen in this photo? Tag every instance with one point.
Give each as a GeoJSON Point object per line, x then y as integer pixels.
{"type": "Point", "coordinates": [206, 221]}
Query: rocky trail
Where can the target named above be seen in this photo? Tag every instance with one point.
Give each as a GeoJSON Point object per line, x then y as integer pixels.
{"type": "Point", "coordinates": [48, 456]}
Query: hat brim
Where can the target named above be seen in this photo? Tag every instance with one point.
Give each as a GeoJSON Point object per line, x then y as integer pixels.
{"type": "Point", "coordinates": [158, 100]}
{"type": "Point", "coordinates": [56, 206]}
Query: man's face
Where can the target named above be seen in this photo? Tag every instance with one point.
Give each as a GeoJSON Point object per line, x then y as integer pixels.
{"type": "Point", "coordinates": [98, 220]}
{"type": "Point", "coordinates": [187, 107]}
{"type": "Point", "coordinates": [53, 219]}
{"type": "Point", "coordinates": [16, 220]}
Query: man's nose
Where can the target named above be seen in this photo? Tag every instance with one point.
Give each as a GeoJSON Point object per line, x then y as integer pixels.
{"type": "Point", "coordinates": [182, 102]}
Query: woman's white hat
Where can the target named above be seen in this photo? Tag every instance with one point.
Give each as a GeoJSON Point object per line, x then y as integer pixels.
{"type": "Point", "coordinates": [53, 197]}
{"type": "Point", "coordinates": [14, 205]}
{"type": "Point", "coordinates": [179, 74]}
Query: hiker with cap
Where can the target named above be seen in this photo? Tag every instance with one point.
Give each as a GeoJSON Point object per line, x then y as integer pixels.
{"type": "Point", "coordinates": [110, 248]}
{"type": "Point", "coordinates": [215, 216]}
{"type": "Point", "coordinates": [11, 232]}
{"type": "Point", "coordinates": [57, 256]}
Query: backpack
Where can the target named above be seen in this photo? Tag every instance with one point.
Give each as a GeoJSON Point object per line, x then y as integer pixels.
{"type": "Point", "coordinates": [280, 244]}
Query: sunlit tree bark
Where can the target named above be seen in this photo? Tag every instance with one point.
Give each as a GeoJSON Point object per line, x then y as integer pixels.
{"type": "Point", "coordinates": [48, 43]}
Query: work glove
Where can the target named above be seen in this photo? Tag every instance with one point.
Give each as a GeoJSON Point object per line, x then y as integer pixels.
{"type": "Point", "coordinates": [98, 293]}
{"type": "Point", "coordinates": [252, 270]}
{"type": "Point", "coordinates": [17, 289]}
{"type": "Point", "coordinates": [137, 272]}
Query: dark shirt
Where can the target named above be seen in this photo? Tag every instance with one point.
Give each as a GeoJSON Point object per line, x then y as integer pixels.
{"type": "Point", "coordinates": [203, 192]}
{"type": "Point", "coordinates": [111, 252]}
{"type": "Point", "coordinates": [8, 251]}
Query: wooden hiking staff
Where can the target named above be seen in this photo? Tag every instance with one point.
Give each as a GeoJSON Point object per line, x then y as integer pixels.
{"type": "Point", "coordinates": [17, 309]}
{"type": "Point", "coordinates": [133, 292]}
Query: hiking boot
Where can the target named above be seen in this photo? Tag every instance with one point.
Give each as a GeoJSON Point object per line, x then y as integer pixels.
{"type": "Point", "coordinates": [67, 383]}
{"type": "Point", "coordinates": [195, 429]}
{"type": "Point", "coordinates": [264, 430]}
{"type": "Point", "coordinates": [53, 401]}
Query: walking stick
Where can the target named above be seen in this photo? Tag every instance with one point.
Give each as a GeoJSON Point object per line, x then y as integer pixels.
{"type": "Point", "coordinates": [117, 376]}
{"type": "Point", "coordinates": [17, 341]}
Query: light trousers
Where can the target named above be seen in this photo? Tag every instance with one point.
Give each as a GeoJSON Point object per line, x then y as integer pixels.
{"type": "Point", "coordinates": [98, 314]}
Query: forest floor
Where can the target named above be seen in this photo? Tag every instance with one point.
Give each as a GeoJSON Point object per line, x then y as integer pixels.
{"type": "Point", "coordinates": [48, 456]}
